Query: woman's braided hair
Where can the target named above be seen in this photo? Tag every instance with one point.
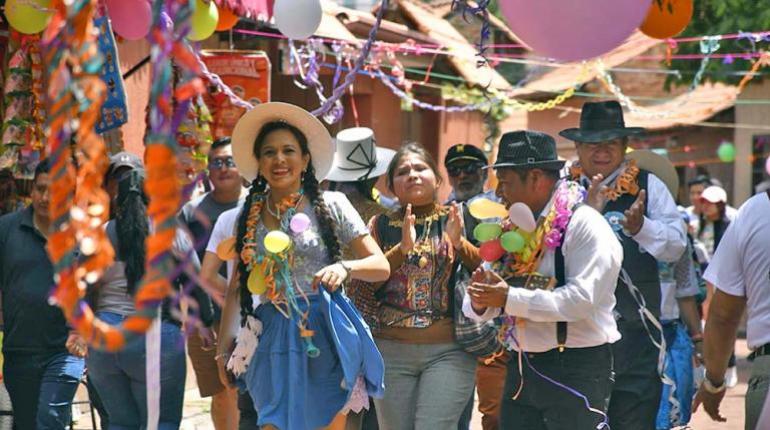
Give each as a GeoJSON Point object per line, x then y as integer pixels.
{"type": "Point", "coordinates": [311, 189]}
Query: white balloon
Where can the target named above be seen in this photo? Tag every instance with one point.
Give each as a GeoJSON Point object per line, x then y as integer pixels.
{"type": "Point", "coordinates": [522, 217]}
{"type": "Point", "coordinates": [297, 19]}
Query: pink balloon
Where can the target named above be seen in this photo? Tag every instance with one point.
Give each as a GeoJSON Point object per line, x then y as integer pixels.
{"type": "Point", "coordinates": [767, 165]}
{"type": "Point", "coordinates": [131, 19]}
{"type": "Point", "coordinates": [573, 30]}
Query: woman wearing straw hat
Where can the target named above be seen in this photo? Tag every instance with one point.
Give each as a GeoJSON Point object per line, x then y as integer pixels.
{"type": "Point", "coordinates": [314, 357]}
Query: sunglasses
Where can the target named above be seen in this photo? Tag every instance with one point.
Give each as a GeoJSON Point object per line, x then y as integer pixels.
{"type": "Point", "coordinates": [221, 163]}
{"type": "Point", "coordinates": [468, 169]}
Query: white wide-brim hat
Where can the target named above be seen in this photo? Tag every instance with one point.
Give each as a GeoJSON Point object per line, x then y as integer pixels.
{"type": "Point", "coordinates": [659, 166]}
{"type": "Point", "coordinates": [357, 156]}
{"type": "Point", "coordinates": [319, 141]}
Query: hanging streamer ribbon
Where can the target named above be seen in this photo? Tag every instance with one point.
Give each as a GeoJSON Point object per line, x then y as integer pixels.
{"type": "Point", "coordinates": [708, 47]}
{"type": "Point", "coordinates": [79, 205]}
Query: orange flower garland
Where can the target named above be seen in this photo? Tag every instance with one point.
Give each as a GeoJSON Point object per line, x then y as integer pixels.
{"type": "Point", "coordinates": [625, 184]}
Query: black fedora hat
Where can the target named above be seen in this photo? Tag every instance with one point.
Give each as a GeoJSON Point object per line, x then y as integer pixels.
{"type": "Point", "coordinates": [527, 149]}
{"type": "Point", "coordinates": [600, 122]}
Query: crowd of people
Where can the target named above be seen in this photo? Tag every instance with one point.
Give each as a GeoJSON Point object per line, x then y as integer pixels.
{"type": "Point", "coordinates": [324, 303]}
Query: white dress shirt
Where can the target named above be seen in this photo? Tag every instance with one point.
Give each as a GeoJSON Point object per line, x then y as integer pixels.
{"type": "Point", "coordinates": [592, 260]}
{"type": "Point", "coordinates": [741, 266]}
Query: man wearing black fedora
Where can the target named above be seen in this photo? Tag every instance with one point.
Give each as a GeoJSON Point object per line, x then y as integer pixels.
{"type": "Point", "coordinates": [642, 211]}
{"type": "Point", "coordinates": [557, 303]}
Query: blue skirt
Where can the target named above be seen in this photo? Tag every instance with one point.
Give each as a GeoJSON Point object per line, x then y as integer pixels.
{"type": "Point", "coordinates": [293, 391]}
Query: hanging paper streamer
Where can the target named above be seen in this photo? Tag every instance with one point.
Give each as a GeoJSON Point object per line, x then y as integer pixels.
{"type": "Point", "coordinates": [708, 46]}
{"type": "Point", "coordinates": [114, 112]}
{"type": "Point", "coordinates": [476, 9]}
{"type": "Point", "coordinates": [77, 213]}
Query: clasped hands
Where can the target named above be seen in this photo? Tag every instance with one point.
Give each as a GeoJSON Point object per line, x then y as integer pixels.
{"type": "Point", "coordinates": [487, 290]}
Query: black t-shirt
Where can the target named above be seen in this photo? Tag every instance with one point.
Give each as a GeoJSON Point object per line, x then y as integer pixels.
{"type": "Point", "coordinates": [31, 324]}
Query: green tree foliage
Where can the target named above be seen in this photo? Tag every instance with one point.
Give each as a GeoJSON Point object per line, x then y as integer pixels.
{"type": "Point", "coordinates": [713, 17]}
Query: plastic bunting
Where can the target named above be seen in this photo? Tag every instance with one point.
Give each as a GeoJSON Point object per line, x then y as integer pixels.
{"type": "Point", "coordinates": [77, 244]}
{"type": "Point", "coordinates": [78, 96]}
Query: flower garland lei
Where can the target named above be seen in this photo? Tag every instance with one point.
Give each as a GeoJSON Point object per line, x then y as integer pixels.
{"type": "Point", "coordinates": [625, 184]}
{"type": "Point", "coordinates": [550, 231]}
{"type": "Point", "coordinates": [270, 272]}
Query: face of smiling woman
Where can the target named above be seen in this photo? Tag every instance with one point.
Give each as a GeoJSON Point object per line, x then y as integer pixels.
{"type": "Point", "coordinates": [281, 160]}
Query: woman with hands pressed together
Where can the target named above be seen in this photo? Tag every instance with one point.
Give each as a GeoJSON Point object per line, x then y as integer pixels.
{"type": "Point", "coordinates": [314, 358]}
{"type": "Point", "coordinates": [428, 376]}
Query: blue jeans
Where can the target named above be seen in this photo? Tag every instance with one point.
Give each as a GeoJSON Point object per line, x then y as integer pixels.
{"type": "Point", "coordinates": [120, 379]}
{"type": "Point", "coordinates": [41, 387]}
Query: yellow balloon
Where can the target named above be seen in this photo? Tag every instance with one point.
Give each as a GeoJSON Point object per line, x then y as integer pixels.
{"type": "Point", "coordinates": [28, 16]}
{"type": "Point", "coordinates": [485, 208]}
{"type": "Point", "coordinates": [277, 241]}
{"type": "Point", "coordinates": [256, 283]}
{"type": "Point", "coordinates": [203, 21]}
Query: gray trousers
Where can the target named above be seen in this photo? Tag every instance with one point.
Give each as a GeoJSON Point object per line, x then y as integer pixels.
{"type": "Point", "coordinates": [757, 392]}
{"type": "Point", "coordinates": [426, 386]}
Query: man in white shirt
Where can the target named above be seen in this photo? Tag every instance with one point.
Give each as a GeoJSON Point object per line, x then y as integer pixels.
{"type": "Point", "coordinates": [740, 271]}
{"type": "Point", "coordinates": [221, 250]}
{"type": "Point", "coordinates": [644, 216]}
{"type": "Point", "coordinates": [564, 332]}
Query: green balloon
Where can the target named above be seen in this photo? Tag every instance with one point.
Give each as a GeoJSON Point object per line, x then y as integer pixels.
{"type": "Point", "coordinates": [512, 241]}
{"type": "Point", "coordinates": [726, 152]}
{"type": "Point", "coordinates": [487, 231]}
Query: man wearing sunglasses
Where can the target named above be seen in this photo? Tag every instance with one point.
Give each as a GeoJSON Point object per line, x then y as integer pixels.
{"type": "Point", "coordinates": [200, 215]}
{"type": "Point", "coordinates": [466, 168]}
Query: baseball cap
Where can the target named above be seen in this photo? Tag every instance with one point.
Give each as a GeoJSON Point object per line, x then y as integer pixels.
{"type": "Point", "coordinates": [714, 194]}
{"type": "Point", "coordinates": [124, 159]}
{"type": "Point", "coordinates": [464, 152]}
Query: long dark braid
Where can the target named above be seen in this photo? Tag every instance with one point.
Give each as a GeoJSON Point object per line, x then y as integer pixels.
{"type": "Point", "coordinates": [326, 224]}
{"type": "Point", "coordinates": [258, 187]}
{"type": "Point", "coordinates": [132, 226]}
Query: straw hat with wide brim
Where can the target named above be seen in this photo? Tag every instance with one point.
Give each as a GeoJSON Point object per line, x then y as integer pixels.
{"type": "Point", "coordinates": [246, 129]}
{"type": "Point", "coordinates": [659, 166]}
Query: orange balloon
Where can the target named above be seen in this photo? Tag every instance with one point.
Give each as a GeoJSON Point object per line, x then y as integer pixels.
{"type": "Point", "coordinates": [227, 19]}
{"type": "Point", "coordinates": [667, 18]}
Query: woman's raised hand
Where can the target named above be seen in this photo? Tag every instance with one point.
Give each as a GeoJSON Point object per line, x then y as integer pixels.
{"type": "Point", "coordinates": [408, 232]}
{"type": "Point", "coordinates": [455, 225]}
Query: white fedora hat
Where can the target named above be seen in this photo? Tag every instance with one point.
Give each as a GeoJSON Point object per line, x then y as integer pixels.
{"type": "Point", "coordinates": [357, 156]}
{"type": "Point", "coordinates": [319, 141]}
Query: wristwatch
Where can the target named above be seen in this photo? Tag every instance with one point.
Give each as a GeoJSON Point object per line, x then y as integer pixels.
{"type": "Point", "coordinates": [711, 388]}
